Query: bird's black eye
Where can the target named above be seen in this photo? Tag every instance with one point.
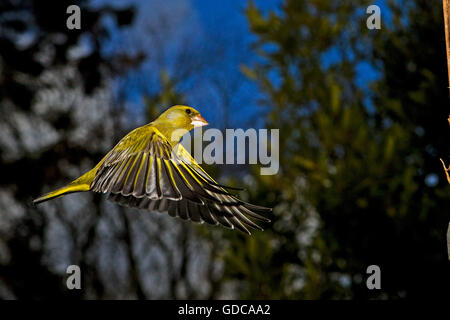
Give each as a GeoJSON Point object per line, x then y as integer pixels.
{"type": "Point", "coordinates": [188, 111]}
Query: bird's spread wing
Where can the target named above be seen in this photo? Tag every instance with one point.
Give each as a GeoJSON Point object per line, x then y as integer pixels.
{"type": "Point", "coordinates": [144, 171]}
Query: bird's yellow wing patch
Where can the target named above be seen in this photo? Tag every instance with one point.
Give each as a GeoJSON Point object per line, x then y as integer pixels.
{"type": "Point", "coordinates": [135, 166]}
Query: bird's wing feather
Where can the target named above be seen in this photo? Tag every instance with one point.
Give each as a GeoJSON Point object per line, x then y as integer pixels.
{"type": "Point", "coordinates": [144, 171]}
{"type": "Point", "coordinates": [234, 216]}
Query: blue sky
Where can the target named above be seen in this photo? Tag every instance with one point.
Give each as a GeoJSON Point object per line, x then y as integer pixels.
{"type": "Point", "coordinates": [207, 25]}
{"type": "Point", "coordinates": [213, 34]}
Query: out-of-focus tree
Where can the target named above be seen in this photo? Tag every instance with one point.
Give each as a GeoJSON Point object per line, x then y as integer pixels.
{"type": "Point", "coordinates": [63, 106]}
{"type": "Point", "coordinates": [195, 71]}
{"type": "Point", "coordinates": [359, 182]}
{"type": "Point", "coordinates": [56, 121]}
{"type": "Point", "coordinates": [411, 98]}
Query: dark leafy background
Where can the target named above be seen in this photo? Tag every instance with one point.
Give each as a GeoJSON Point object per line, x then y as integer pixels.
{"type": "Point", "coordinates": [362, 118]}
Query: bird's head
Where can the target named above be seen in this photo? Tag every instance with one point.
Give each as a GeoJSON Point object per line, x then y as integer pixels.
{"type": "Point", "coordinates": [177, 120]}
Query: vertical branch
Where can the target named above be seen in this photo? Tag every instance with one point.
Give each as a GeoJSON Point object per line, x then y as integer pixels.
{"type": "Point", "coordinates": [448, 241]}
{"type": "Point", "coordinates": [446, 6]}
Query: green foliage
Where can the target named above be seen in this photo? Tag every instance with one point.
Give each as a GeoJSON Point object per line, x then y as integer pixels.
{"type": "Point", "coordinates": [166, 97]}
{"type": "Point", "coordinates": [360, 180]}
{"type": "Point", "coordinates": [352, 189]}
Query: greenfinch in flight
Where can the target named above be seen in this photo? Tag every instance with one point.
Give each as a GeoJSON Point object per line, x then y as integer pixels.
{"type": "Point", "coordinates": [149, 169]}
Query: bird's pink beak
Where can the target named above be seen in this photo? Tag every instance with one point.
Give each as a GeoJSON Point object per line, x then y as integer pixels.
{"type": "Point", "coordinates": [198, 121]}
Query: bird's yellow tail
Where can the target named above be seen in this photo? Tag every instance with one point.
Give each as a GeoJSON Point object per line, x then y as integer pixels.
{"type": "Point", "coordinates": [70, 188]}
{"type": "Point", "coordinates": [83, 183]}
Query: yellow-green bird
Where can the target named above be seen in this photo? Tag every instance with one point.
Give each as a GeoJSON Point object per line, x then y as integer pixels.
{"type": "Point", "coordinates": [149, 169]}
